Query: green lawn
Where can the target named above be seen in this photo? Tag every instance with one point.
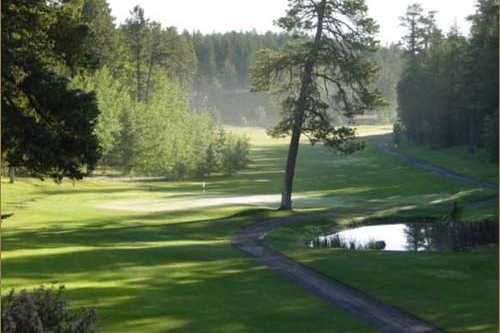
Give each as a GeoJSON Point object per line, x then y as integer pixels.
{"type": "Point", "coordinates": [149, 260]}
{"type": "Point", "coordinates": [456, 159]}
{"type": "Point", "coordinates": [154, 272]}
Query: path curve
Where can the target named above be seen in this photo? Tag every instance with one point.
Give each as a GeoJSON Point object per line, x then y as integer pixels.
{"type": "Point", "coordinates": [367, 309]}
{"type": "Point", "coordinates": [385, 148]}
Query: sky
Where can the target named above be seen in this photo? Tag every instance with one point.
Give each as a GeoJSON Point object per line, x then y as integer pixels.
{"type": "Point", "coordinates": [210, 16]}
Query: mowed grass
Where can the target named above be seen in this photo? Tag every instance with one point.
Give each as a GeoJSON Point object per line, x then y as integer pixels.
{"type": "Point", "coordinates": [159, 272]}
{"type": "Point", "coordinates": [456, 159]}
{"type": "Point", "coordinates": [175, 270]}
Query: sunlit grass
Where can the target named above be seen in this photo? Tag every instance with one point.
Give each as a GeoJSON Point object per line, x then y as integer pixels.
{"type": "Point", "coordinates": [169, 265]}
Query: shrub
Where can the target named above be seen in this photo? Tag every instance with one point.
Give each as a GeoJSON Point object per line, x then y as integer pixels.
{"type": "Point", "coordinates": [44, 310]}
{"type": "Point", "coordinates": [226, 153]}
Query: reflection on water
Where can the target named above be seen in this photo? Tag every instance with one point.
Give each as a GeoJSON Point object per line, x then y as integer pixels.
{"type": "Point", "coordinates": [413, 237]}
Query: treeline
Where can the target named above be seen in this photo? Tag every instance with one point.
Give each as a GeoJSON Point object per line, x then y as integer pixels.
{"type": "Point", "coordinates": [391, 62]}
{"type": "Point", "coordinates": [221, 83]}
{"type": "Point", "coordinates": [211, 68]}
{"type": "Point", "coordinates": [130, 83]}
{"type": "Point", "coordinates": [154, 97]}
{"type": "Point", "coordinates": [448, 92]}
{"type": "Point", "coordinates": [146, 125]}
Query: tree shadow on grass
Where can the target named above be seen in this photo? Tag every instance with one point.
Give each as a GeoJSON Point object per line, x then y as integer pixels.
{"type": "Point", "coordinates": [175, 277]}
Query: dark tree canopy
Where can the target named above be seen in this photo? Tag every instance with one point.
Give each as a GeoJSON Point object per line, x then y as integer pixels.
{"type": "Point", "coordinates": [448, 92]}
{"type": "Point", "coordinates": [47, 128]}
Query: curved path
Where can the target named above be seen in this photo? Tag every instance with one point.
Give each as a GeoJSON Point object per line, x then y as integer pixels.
{"type": "Point", "coordinates": [367, 309]}
{"type": "Point", "coordinates": [385, 148]}
{"type": "Point", "coordinates": [370, 310]}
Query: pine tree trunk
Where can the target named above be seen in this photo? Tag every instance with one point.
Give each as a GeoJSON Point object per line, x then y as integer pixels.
{"type": "Point", "coordinates": [293, 149]}
{"type": "Point", "coordinates": [299, 111]}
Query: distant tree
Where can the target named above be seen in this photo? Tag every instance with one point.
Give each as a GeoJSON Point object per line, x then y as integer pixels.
{"type": "Point", "coordinates": [448, 92]}
{"type": "Point", "coordinates": [451, 97]}
{"type": "Point", "coordinates": [329, 40]}
{"type": "Point", "coordinates": [482, 69]}
{"type": "Point", "coordinates": [205, 53]}
{"type": "Point", "coordinates": [112, 100]}
{"type": "Point", "coordinates": [390, 60]}
{"type": "Point", "coordinates": [181, 64]}
{"type": "Point", "coordinates": [47, 128]}
{"type": "Point", "coordinates": [260, 116]}
{"type": "Point", "coordinates": [123, 153]}
{"type": "Point", "coordinates": [135, 31]}
{"type": "Point", "coordinates": [490, 135]}
{"type": "Point", "coordinates": [241, 152]}
{"type": "Point", "coordinates": [410, 87]}
{"type": "Point", "coordinates": [155, 53]}
{"type": "Point", "coordinates": [104, 38]}
{"type": "Point", "coordinates": [219, 144]}
{"type": "Point", "coordinates": [209, 163]}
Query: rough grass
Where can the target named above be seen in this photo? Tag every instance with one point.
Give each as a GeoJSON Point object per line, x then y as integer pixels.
{"type": "Point", "coordinates": [173, 269]}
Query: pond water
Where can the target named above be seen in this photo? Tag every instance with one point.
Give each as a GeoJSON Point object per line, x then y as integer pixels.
{"type": "Point", "coordinates": [412, 237]}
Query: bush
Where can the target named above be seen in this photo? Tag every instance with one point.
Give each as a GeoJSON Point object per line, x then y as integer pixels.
{"type": "Point", "coordinates": [226, 153]}
{"type": "Point", "coordinates": [44, 310]}
{"type": "Point", "coordinates": [235, 154]}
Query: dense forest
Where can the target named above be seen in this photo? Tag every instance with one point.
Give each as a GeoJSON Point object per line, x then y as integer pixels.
{"type": "Point", "coordinates": [221, 83]}
{"type": "Point", "coordinates": [211, 69]}
{"type": "Point", "coordinates": [159, 96]}
{"type": "Point", "coordinates": [80, 92]}
{"type": "Point", "coordinates": [448, 92]}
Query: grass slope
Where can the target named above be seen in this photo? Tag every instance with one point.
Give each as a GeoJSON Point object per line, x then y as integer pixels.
{"type": "Point", "coordinates": [174, 270]}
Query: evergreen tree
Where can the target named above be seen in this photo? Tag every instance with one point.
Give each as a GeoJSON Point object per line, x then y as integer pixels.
{"type": "Point", "coordinates": [47, 127]}
{"type": "Point", "coordinates": [341, 33]}
{"type": "Point", "coordinates": [136, 38]}
{"type": "Point", "coordinates": [482, 69]}
{"type": "Point", "coordinates": [104, 38]}
{"type": "Point", "coordinates": [448, 93]}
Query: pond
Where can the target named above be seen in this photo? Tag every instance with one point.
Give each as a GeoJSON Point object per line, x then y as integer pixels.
{"type": "Point", "coordinates": [439, 236]}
